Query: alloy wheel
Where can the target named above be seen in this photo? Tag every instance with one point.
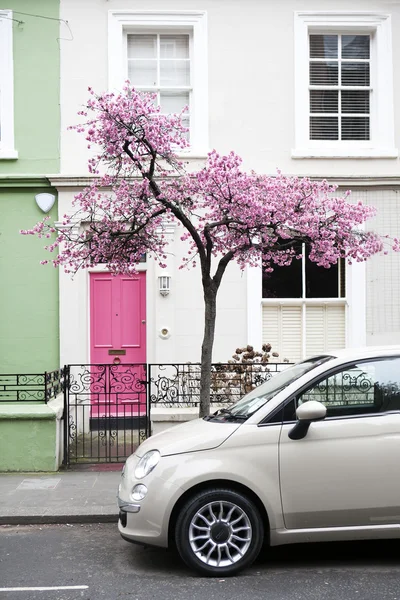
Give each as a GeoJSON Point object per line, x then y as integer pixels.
{"type": "Point", "coordinates": [220, 533]}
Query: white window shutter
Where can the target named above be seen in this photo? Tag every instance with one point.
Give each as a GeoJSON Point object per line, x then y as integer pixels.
{"type": "Point", "coordinates": [282, 328]}
{"type": "Point", "coordinates": [325, 328]}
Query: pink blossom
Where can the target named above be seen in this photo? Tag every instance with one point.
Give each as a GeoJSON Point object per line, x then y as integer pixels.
{"type": "Point", "coordinates": [225, 212]}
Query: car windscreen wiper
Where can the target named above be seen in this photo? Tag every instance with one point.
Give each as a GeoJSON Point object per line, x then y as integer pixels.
{"type": "Point", "coordinates": [227, 414]}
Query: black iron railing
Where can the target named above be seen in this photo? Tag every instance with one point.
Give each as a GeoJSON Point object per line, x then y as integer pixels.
{"type": "Point", "coordinates": [106, 412]}
{"type": "Point", "coordinates": [54, 383]}
{"type": "Point", "coordinates": [173, 385]}
{"type": "Point", "coordinates": [31, 387]}
{"type": "Point", "coordinates": [107, 407]}
{"type": "Point", "coordinates": [168, 385]}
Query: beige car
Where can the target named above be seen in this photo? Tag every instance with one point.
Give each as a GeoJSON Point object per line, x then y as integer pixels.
{"type": "Point", "coordinates": [311, 455]}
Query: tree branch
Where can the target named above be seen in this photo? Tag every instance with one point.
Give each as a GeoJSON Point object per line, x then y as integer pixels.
{"type": "Point", "coordinates": [176, 211]}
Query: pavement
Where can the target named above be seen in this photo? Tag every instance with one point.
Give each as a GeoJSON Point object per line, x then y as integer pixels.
{"type": "Point", "coordinates": [75, 496]}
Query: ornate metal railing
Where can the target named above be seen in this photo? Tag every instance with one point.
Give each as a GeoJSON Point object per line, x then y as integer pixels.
{"type": "Point", "coordinates": [54, 383]}
{"type": "Point", "coordinates": [106, 412]}
{"type": "Point", "coordinates": [173, 385]}
{"type": "Point", "coordinates": [168, 385]}
{"type": "Point", "coordinates": [36, 387]}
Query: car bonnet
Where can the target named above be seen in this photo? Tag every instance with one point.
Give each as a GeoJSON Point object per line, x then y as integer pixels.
{"type": "Point", "coordinates": [189, 437]}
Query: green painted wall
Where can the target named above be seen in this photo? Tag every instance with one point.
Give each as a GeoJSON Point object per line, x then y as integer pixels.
{"type": "Point", "coordinates": [29, 341]}
{"type": "Point", "coordinates": [36, 87]}
{"type": "Point", "coordinates": [28, 438]}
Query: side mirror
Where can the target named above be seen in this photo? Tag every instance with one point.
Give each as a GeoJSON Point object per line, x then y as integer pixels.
{"type": "Point", "coordinates": [307, 413]}
{"type": "Point", "coordinates": [311, 411]}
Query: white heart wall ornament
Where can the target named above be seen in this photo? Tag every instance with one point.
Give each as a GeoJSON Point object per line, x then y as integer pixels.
{"type": "Point", "coordinates": [45, 201]}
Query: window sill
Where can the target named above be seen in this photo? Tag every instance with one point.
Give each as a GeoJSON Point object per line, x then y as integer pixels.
{"type": "Point", "coordinates": [344, 153]}
{"type": "Point", "coordinates": [8, 154]}
{"type": "Point", "coordinates": [193, 153]}
{"type": "Point", "coordinates": [300, 301]}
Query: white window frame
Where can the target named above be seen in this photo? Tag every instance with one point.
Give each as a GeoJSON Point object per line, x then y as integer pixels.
{"type": "Point", "coordinates": [378, 26]}
{"type": "Point", "coordinates": [355, 303]}
{"type": "Point", "coordinates": [7, 150]}
{"type": "Point", "coordinates": [120, 23]}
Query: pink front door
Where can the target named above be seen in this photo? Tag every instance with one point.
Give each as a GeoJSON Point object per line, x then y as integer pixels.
{"type": "Point", "coordinates": [117, 338]}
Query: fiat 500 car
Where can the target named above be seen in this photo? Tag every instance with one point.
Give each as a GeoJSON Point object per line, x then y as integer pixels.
{"type": "Point", "coordinates": [310, 455]}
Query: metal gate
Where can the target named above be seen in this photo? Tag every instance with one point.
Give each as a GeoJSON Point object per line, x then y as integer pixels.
{"type": "Point", "coordinates": [106, 412]}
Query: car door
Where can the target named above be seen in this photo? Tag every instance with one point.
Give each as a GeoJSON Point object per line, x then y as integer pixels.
{"type": "Point", "coordinates": [345, 472]}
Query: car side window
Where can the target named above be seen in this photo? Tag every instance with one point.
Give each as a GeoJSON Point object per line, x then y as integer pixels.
{"type": "Point", "coordinates": [368, 387]}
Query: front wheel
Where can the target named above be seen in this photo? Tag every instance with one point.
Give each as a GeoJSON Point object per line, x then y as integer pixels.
{"type": "Point", "coordinates": [219, 532]}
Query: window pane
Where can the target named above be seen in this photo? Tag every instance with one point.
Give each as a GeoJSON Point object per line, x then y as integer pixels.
{"type": "Point", "coordinates": [174, 72]}
{"type": "Point", "coordinates": [324, 73]}
{"type": "Point", "coordinates": [174, 46]}
{"type": "Point", "coordinates": [387, 384]}
{"type": "Point", "coordinates": [354, 101]}
{"type": "Point", "coordinates": [283, 282]}
{"type": "Point", "coordinates": [186, 123]}
{"type": "Point", "coordinates": [364, 388]}
{"type": "Point", "coordinates": [355, 46]}
{"type": "Point", "coordinates": [324, 128]}
{"type": "Point", "coordinates": [342, 277]}
{"type": "Point", "coordinates": [324, 101]}
{"type": "Point", "coordinates": [173, 102]}
{"type": "Point", "coordinates": [142, 46]}
{"type": "Point", "coordinates": [142, 72]}
{"type": "Point", "coordinates": [321, 282]}
{"type": "Point", "coordinates": [323, 46]}
{"type": "Point", "coordinates": [355, 128]}
{"type": "Point", "coordinates": [356, 74]}
{"type": "Point", "coordinates": [349, 392]}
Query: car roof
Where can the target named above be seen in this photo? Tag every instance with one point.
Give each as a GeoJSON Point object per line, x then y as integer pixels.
{"type": "Point", "coordinates": [365, 352]}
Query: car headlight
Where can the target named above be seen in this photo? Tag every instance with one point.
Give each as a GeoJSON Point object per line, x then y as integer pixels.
{"type": "Point", "coordinates": [147, 463]}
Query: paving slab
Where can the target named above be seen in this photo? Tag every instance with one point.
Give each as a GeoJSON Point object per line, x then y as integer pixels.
{"type": "Point", "coordinates": [84, 496]}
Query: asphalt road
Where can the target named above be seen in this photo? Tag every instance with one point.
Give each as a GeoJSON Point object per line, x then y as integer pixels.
{"type": "Point", "coordinates": [98, 564]}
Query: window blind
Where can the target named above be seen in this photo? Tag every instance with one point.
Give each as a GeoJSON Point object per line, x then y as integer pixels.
{"type": "Point", "coordinates": [323, 329]}
{"type": "Point", "coordinates": [282, 328]}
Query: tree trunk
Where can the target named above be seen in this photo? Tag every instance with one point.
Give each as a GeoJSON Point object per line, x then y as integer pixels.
{"type": "Point", "coordinates": [210, 302]}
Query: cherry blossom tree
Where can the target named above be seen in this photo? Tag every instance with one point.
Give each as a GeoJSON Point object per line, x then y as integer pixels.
{"type": "Point", "coordinates": [224, 213]}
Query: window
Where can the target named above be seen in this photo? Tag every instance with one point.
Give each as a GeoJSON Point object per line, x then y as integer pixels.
{"type": "Point", "coordinates": [364, 388]}
{"type": "Point", "coordinates": [343, 85]}
{"type": "Point", "coordinates": [161, 63]}
{"type": "Point", "coordinates": [164, 52]}
{"type": "Point", "coordinates": [265, 392]}
{"type": "Point", "coordinates": [6, 87]}
{"type": "Point", "coordinates": [304, 308]}
{"type": "Point", "coordinates": [304, 279]}
{"type": "Point", "coordinates": [339, 87]}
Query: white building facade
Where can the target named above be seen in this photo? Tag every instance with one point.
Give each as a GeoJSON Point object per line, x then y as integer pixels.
{"type": "Point", "coordinates": [305, 86]}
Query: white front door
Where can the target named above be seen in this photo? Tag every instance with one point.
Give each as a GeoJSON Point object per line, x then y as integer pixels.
{"type": "Point", "coordinates": [346, 470]}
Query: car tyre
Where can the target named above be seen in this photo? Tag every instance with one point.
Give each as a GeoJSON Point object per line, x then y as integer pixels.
{"type": "Point", "coordinates": [219, 532]}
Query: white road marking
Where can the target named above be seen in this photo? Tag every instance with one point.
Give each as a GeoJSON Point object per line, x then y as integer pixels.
{"type": "Point", "coordinates": [44, 589]}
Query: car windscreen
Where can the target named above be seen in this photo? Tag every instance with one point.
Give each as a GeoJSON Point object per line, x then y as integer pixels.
{"type": "Point", "coordinates": [255, 399]}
